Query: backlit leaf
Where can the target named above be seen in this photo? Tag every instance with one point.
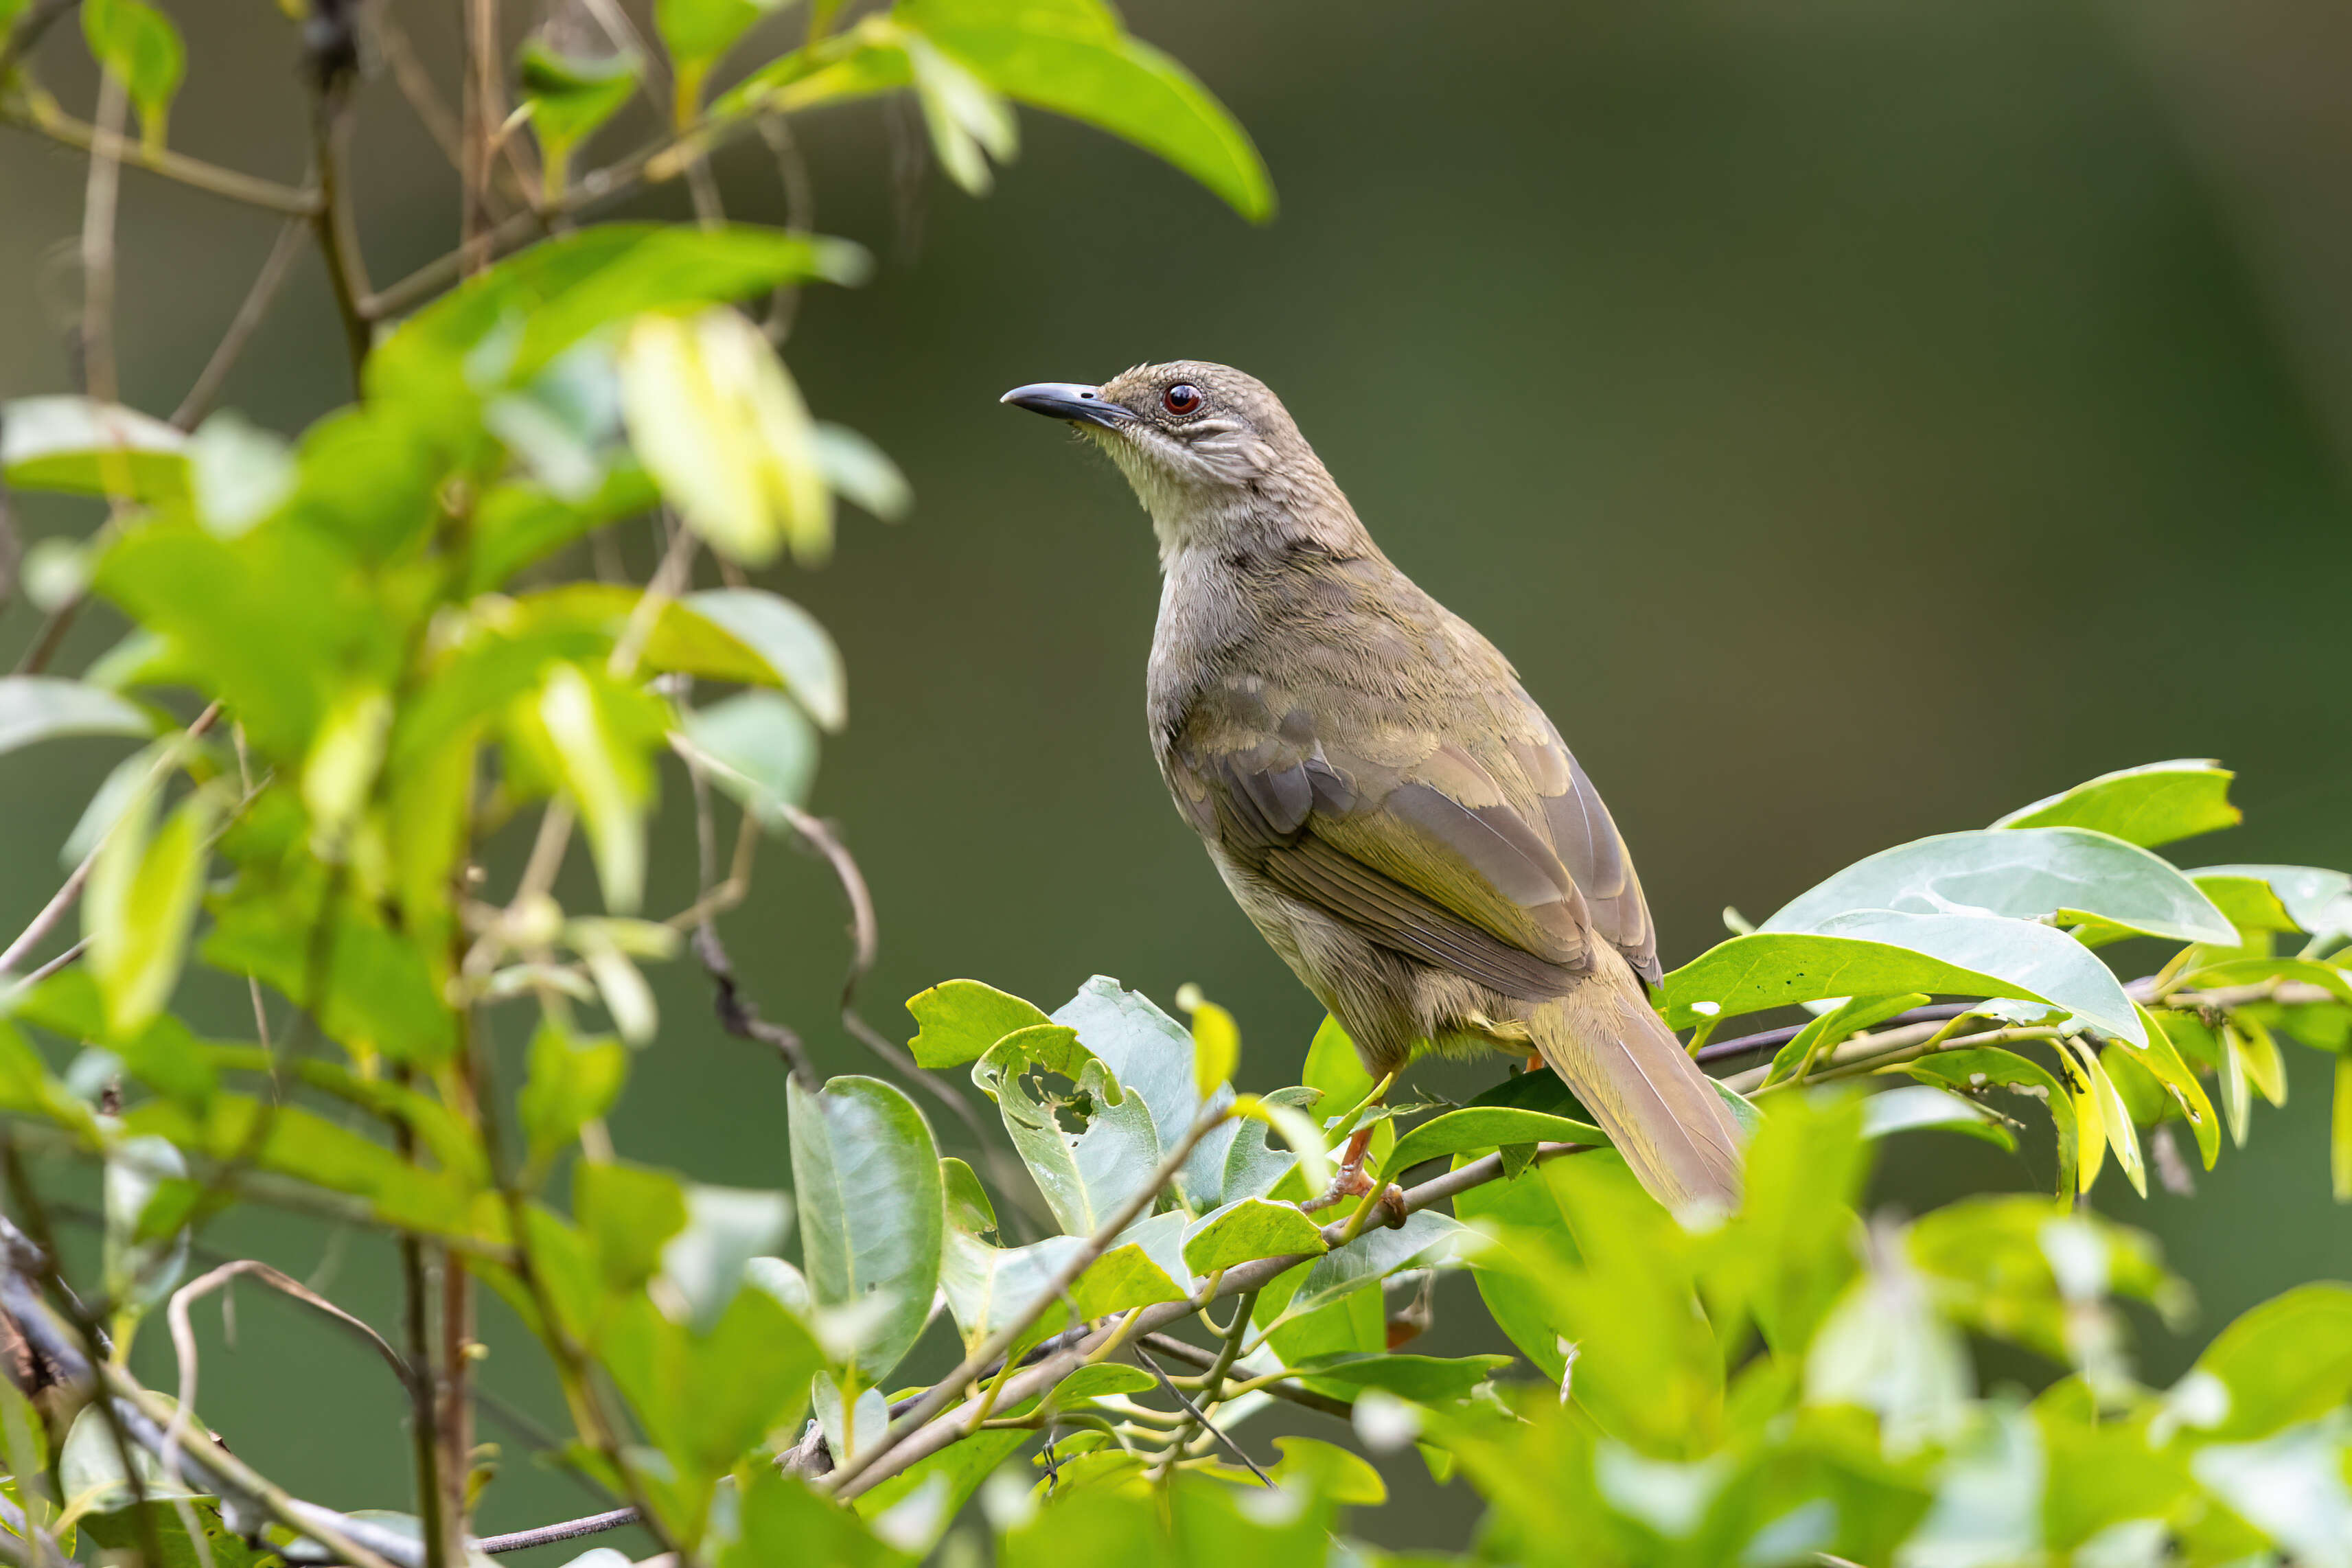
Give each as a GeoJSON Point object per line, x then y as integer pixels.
{"type": "Point", "coordinates": [35, 707]}
{"type": "Point", "coordinates": [1882, 952]}
{"type": "Point", "coordinates": [2153, 803]}
{"type": "Point", "coordinates": [2024, 873]}
{"type": "Point", "coordinates": [1071, 57]}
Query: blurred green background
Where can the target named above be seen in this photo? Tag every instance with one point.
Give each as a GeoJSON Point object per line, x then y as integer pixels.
{"type": "Point", "coordinates": [1854, 420]}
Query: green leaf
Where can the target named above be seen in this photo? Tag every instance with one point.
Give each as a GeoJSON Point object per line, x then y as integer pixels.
{"type": "Point", "coordinates": [2339, 1134]}
{"type": "Point", "coordinates": [726, 1228]}
{"type": "Point", "coordinates": [1151, 1056]}
{"type": "Point", "coordinates": [2026, 873]}
{"type": "Point", "coordinates": [332, 621]}
{"type": "Point", "coordinates": [1920, 1106]}
{"type": "Point", "coordinates": [760, 749]}
{"type": "Point", "coordinates": [708, 1399]}
{"type": "Point", "coordinates": [1144, 1266]}
{"type": "Point", "coordinates": [719, 424]}
{"type": "Point", "coordinates": [573, 1083]}
{"type": "Point", "coordinates": [988, 1287]}
{"type": "Point", "coordinates": [958, 1020]}
{"type": "Point", "coordinates": [571, 95]}
{"type": "Point", "coordinates": [241, 473]}
{"type": "Point", "coordinates": [2319, 901]}
{"type": "Point", "coordinates": [782, 1520]}
{"type": "Point", "coordinates": [1101, 1378]}
{"type": "Point", "coordinates": [1297, 1128]}
{"type": "Point", "coordinates": [1485, 1127]}
{"type": "Point", "coordinates": [968, 122]}
{"type": "Point", "coordinates": [1876, 952]}
{"type": "Point", "coordinates": [696, 32]}
{"type": "Point", "coordinates": [517, 522]}
{"type": "Point", "coordinates": [1833, 1029]}
{"type": "Point", "coordinates": [866, 1173]}
{"type": "Point", "coordinates": [2164, 1063]}
{"type": "Point", "coordinates": [302, 1143]}
{"type": "Point", "coordinates": [789, 645]}
{"type": "Point", "coordinates": [2249, 902]}
{"type": "Point", "coordinates": [1216, 1044]}
{"type": "Point", "coordinates": [1982, 1069]}
{"type": "Point", "coordinates": [860, 471]}
{"type": "Point", "coordinates": [1788, 1254]}
{"type": "Point", "coordinates": [1333, 1066]}
{"type": "Point", "coordinates": [140, 1272]}
{"type": "Point", "coordinates": [1426, 1240]}
{"type": "Point", "coordinates": [1423, 1380]}
{"type": "Point", "coordinates": [138, 44]}
{"type": "Point", "coordinates": [2114, 1116]}
{"type": "Point", "coordinates": [1088, 1175]}
{"type": "Point", "coordinates": [71, 444]}
{"type": "Point", "coordinates": [1648, 1368]}
{"type": "Point", "coordinates": [140, 904]}
{"type": "Point", "coordinates": [2291, 1487]}
{"type": "Point", "coordinates": [539, 301]}
{"type": "Point", "coordinates": [2286, 1361]}
{"type": "Point", "coordinates": [1247, 1230]}
{"type": "Point", "coordinates": [94, 1483]}
{"type": "Point", "coordinates": [2153, 803]}
{"type": "Point", "coordinates": [2020, 1269]}
{"type": "Point", "coordinates": [607, 778]}
{"type": "Point", "coordinates": [628, 1213]}
{"type": "Point", "coordinates": [35, 707]}
{"type": "Point", "coordinates": [1247, 1166]}
{"type": "Point", "coordinates": [379, 992]}
{"type": "Point", "coordinates": [1071, 57]}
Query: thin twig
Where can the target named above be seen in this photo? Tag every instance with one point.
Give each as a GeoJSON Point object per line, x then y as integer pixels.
{"type": "Point", "coordinates": [1067, 1353]}
{"type": "Point", "coordinates": [1227, 1356]}
{"type": "Point", "coordinates": [548, 1534]}
{"type": "Point", "coordinates": [483, 113]}
{"type": "Point", "coordinates": [44, 120]}
{"type": "Point", "coordinates": [97, 209]}
{"type": "Point", "coordinates": [417, 86]}
{"type": "Point", "coordinates": [1773, 1040]}
{"type": "Point", "coordinates": [1193, 1356]}
{"type": "Point", "coordinates": [332, 45]}
{"type": "Point", "coordinates": [865, 942]}
{"type": "Point", "coordinates": [275, 269]}
{"type": "Point", "coordinates": [35, 21]}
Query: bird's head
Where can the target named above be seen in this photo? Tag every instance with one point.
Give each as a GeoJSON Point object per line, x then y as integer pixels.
{"type": "Point", "coordinates": [1212, 453]}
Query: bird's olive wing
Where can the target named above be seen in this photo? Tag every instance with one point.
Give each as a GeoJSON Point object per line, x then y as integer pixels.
{"type": "Point", "coordinates": [1445, 856]}
{"type": "Point", "coordinates": [1586, 839]}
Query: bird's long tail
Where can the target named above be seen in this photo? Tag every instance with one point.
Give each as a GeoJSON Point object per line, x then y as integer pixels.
{"type": "Point", "coordinates": [1658, 1108]}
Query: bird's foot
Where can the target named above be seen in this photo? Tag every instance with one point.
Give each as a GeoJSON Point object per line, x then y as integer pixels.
{"type": "Point", "coordinates": [1350, 1182]}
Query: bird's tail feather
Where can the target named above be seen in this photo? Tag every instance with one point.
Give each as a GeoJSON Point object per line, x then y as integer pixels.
{"type": "Point", "coordinates": [1633, 1073]}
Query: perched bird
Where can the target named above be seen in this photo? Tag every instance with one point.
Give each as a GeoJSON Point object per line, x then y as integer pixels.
{"type": "Point", "coordinates": [1395, 813]}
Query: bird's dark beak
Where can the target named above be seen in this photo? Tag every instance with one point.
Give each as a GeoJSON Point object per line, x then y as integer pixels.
{"type": "Point", "coordinates": [1069, 400]}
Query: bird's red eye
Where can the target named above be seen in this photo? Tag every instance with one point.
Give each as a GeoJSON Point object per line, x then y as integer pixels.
{"type": "Point", "coordinates": [1182, 398]}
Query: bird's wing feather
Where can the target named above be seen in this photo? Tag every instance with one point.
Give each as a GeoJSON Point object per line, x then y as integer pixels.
{"type": "Point", "coordinates": [1466, 861]}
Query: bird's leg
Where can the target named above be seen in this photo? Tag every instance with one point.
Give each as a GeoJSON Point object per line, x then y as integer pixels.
{"type": "Point", "coordinates": [1351, 1182]}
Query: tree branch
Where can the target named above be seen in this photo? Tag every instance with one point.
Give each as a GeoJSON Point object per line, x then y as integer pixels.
{"type": "Point", "coordinates": [44, 119]}
{"type": "Point", "coordinates": [100, 200]}
{"type": "Point", "coordinates": [1071, 1349]}
{"type": "Point", "coordinates": [1054, 1288]}
{"type": "Point", "coordinates": [275, 269]}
